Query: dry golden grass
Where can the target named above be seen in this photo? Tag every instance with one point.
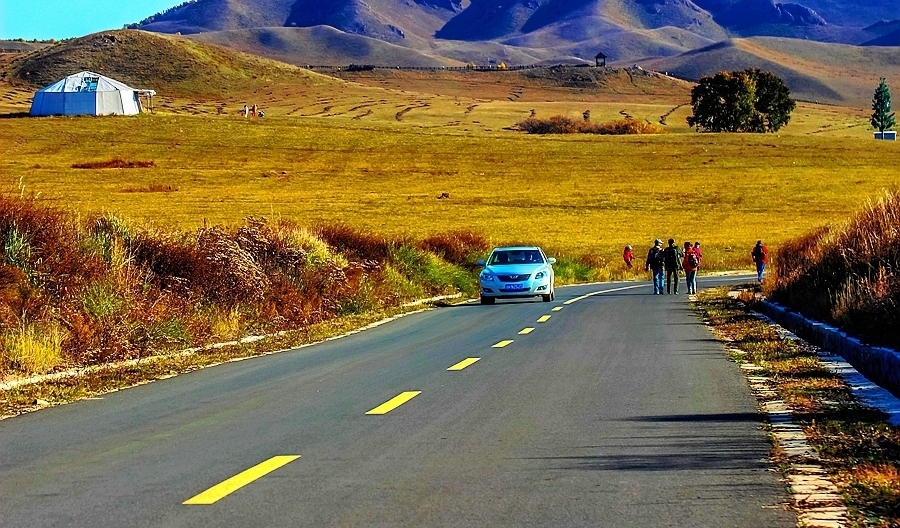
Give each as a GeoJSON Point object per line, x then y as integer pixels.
{"type": "Point", "coordinates": [573, 194]}
{"type": "Point", "coordinates": [31, 348]}
{"type": "Point", "coordinates": [378, 152]}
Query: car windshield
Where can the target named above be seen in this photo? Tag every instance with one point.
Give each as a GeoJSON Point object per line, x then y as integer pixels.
{"type": "Point", "coordinates": [516, 256]}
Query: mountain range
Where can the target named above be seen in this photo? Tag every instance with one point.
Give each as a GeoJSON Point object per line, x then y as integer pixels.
{"type": "Point", "coordinates": [546, 30]}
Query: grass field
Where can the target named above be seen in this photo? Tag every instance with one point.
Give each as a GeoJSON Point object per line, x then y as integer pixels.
{"type": "Point", "coordinates": [384, 171]}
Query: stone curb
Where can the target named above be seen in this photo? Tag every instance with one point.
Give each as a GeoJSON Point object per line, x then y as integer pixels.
{"type": "Point", "coordinates": [879, 364]}
{"type": "Point", "coordinates": [814, 496]}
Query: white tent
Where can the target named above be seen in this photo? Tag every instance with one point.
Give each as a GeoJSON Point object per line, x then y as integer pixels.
{"type": "Point", "coordinates": [88, 93]}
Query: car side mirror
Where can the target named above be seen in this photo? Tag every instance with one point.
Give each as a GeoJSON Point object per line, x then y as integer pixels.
{"type": "Point", "coordinates": [551, 260]}
{"type": "Point", "coordinates": [479, 262]}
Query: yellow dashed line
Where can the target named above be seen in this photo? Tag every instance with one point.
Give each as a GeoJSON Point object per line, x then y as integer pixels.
{"type": "Point", "coordinates": [394, 402]}
{"type": "Point", "coordinates": [558, 308]}
{"type": "Point", "coordinates": [240, 480]}
{"type": "Point", "coordinates": [526, 331]}
{"type": "Point", "coordinates": [502, 344]}
{"type": "Point", "coordinates": [544, 319]}
{"type": "Point", "coordinates": [464, 363]}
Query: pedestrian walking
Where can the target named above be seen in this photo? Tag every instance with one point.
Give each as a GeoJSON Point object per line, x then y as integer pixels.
{"type": "Point", "coordinates": [691, 263]}
{"type": "Point", "coordinates": [628, 256]}
{"type": "Point", "coordinates": [246, 111]}
{"type": "Point", "coordinates": [655, 263]}
{"type": "Point", "coordinates": [760, 255]}
{"type": "Point", "coordinates": [673, 257]}
{"type": "Point", "coordinates": [253, 110]}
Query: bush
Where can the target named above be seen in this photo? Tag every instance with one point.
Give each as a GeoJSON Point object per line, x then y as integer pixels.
{"type": "Point", "coordinates": [565, 125]}
{"type": "Point", "coordinates": [457, 247]}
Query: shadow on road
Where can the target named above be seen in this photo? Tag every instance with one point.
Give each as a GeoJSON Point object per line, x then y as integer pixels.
{"type": "Point", "coordinates": [685, 453]}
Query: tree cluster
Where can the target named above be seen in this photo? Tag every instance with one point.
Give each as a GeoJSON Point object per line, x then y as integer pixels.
{"type": "Point", "coordinates": [741, 101]}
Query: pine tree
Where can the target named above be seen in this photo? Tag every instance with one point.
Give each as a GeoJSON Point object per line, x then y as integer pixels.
{"type": "Point", "coordinates": [882, 117]}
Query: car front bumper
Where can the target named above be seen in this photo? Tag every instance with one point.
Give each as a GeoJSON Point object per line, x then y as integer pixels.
{"type": "Point", "coordinates": [513, 290]}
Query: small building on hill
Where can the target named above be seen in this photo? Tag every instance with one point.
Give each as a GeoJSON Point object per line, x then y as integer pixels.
{"type": "Point", "coordinates": [88, 93]}
{"type": "Point", "coordinates": [600, 60]}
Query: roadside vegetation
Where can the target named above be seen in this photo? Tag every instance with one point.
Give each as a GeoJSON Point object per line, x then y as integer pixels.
{"type": "Point", "coordinates": [854, 443]}
{"type": "Point", "coordinates": [84, 291]}
{"type": "Point", "coordinates": [847, 274]}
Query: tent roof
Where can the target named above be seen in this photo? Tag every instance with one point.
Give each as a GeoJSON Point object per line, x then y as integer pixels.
{"type": "Point", "coordinates": [87, 82]}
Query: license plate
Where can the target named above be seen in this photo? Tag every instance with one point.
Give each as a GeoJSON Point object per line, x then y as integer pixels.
{"type": "Point", "coordinates": [515, 287]}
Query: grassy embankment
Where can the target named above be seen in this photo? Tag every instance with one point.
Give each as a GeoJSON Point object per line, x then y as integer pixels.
{"type": "Point", "coordinates": [847, 274]}
{"type": "Point", "coordinates": [855, 445]}
{"type": "Point", "coordinates": [86, 291]}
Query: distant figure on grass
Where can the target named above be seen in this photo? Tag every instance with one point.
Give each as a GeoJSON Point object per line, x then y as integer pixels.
{"type": "Point", "coordinates": [674, 255]}
{"type": "Point", "coordinates": [628, 256]}
{"type": "Point", "coordinates": [760, 256]}
{"type": "Point", "coordinates": [656, 263]}
{"type": "Point", "coordinates": [246, 111]}
{"type": "Point", "coordinates": [254, 110]}
{"type": "Point", "coordinates": [691, 263]}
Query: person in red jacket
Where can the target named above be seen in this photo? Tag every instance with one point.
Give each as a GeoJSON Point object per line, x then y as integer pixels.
{"type": "Point", "coordinates": [628, 256]}
{"type": "Point", "coordinates": [760, 256]}
{"type": "Point", "coordinates": [690, 263]}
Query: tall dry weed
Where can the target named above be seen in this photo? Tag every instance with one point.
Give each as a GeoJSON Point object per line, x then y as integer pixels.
{"type": "Point", "coordinates": [850, 274]}
{"type": "Point", "coordinates": [32, 349]}
{"type": "Point", "coordinates": [457, 247]}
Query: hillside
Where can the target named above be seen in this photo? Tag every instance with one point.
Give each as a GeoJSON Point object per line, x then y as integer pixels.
{"type": "Point", "coordinates": [388, 20]}
{"type": "Point", "coordinates": [320, 45]}
{"type": "Point", "coordinates": [552, 31]}
{"type": "Point", "coordinates": [19, 46]}
{"type": "Point", "coordinates": [814, 71]}
{"type": "Point", "coordinates": [172, 65]}
{"type": "Point", "coordinates": [557, 83]}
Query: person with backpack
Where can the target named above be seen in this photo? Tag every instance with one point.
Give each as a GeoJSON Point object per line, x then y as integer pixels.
{"type": "Point", "coordinates": [760, 255]}
{"type": "Point", "coordinates": [690, 263]}
{"type": "Point", "coordinates": [673, 258]}
{"type": "Point", "coordinates": [655, 263]}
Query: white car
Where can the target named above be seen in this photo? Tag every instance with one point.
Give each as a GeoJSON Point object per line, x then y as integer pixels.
{"type": "Point", "coordinates": [516, 273]}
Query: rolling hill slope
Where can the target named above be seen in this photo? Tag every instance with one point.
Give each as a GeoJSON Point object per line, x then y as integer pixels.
{"type": "Point", "coordinates": [442, 32]}
{"type": "Point", "coordinates": [814, 71]}
{"type": "Point", "coordinates": [320, 45]}
{"type": "Point", "coordinates": [174, 66]}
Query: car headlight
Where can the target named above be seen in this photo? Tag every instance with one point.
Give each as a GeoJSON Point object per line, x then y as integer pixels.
{"type": "Point", "coordinates": [540, 275]}
{"type": "Point", "coordinates": [486, 276]}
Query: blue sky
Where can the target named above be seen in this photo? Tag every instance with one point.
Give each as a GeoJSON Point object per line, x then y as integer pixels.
{"type": "Point", "coordinates": [58, 19]}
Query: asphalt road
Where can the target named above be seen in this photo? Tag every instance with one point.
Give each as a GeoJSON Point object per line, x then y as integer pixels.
{"type": "Point", "coordinates": [619, 410]}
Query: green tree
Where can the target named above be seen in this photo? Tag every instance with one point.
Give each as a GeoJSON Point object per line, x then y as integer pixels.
{"type": "Point", "coordinates": [882, 117]}
{"type": "Point", "coordinates": [741, 101]}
